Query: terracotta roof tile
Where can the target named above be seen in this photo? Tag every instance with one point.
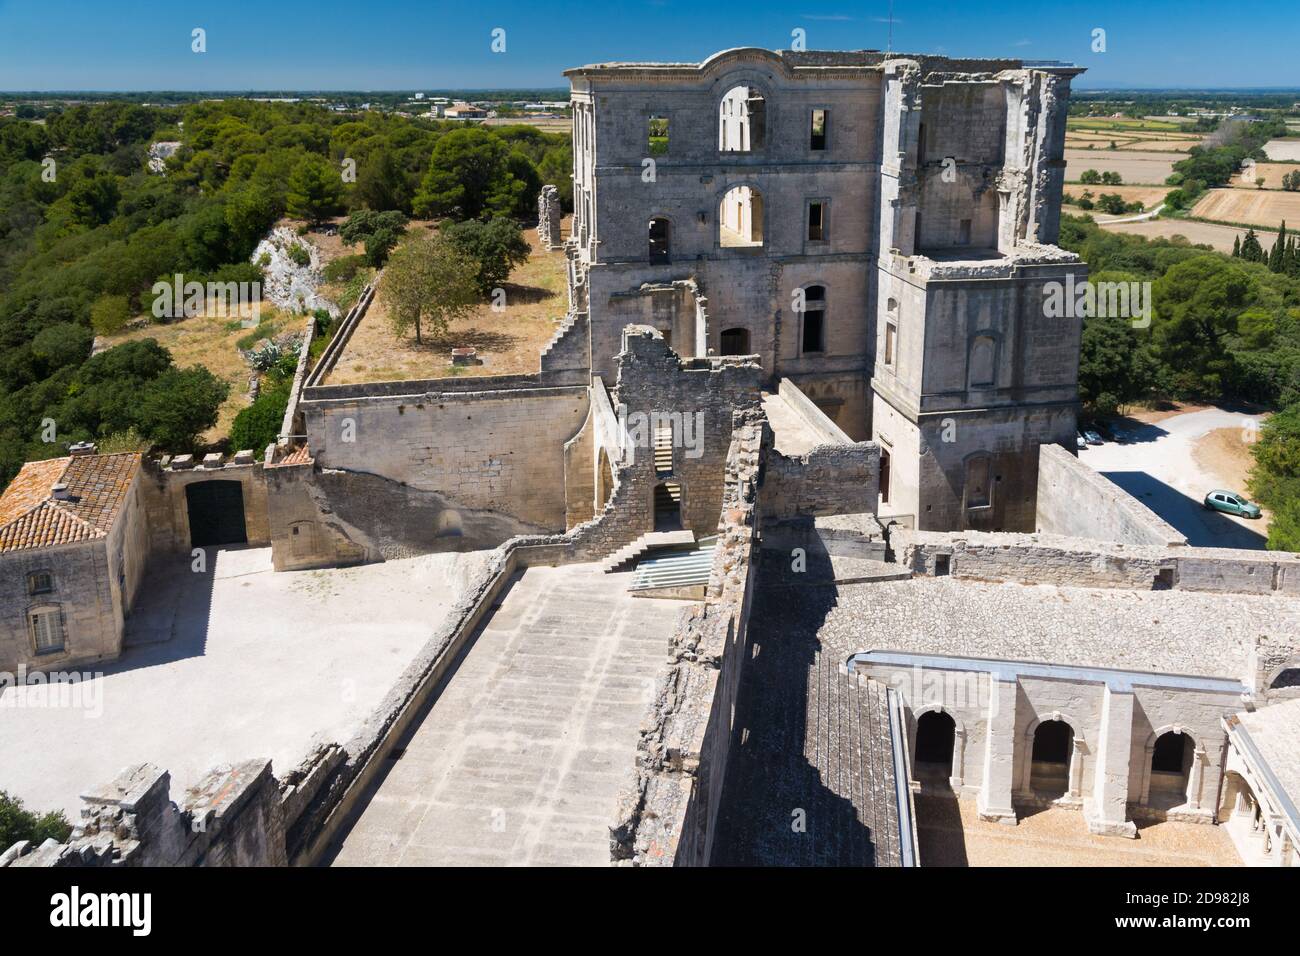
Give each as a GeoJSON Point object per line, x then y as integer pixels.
{"type": "Point", "coordinates": [97, 487]}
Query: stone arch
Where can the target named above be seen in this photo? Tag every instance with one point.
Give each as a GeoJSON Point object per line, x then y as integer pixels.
{"type": "Point", "coordinates": [1285, 678]}
{"type": "Point", "coordinates": [1074, 773]}
{"type": "Point", "coordinates": [734, 341]}
{"type": "Point", "coordinates": [1193, 773]}
{"type": "Point", "coordinates": [449, 524]}
{"type": "Point", "coordinates": [957, 770]}
{"type": "Point", "coordinates": [742, 216]}
{"type": "Point", "coordinates": [743, 107]}
{"type": "Point", "coordinates": [982, 359]}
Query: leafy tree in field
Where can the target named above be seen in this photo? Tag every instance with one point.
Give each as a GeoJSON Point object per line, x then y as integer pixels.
{"type": "Point", "coordinates": [180, 404]}
{"type": "Point", "coordinates": [93, 201]}
{"type": "Point", "coordinates": [428, 283]}
{"type": "Point", "coordinates": [498, 246]}
{"type": "Point", "coordinates": [315, 191]}
{"type": "Point", "coordinates": [1090, 177]}
{"type": "Point", "coordinates": [18, 823]}
{"type": "Point", "coordinates": [1115, 368]}
{"type": "Point", "coordinates": [471, 174]}
{"type": "Point", "coordinates": [378, 232]}
{"type": "Point", "coordinates": [1196, 307]}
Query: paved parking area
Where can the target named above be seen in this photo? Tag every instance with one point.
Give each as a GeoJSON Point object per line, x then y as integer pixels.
{"type": "Point", "coordinates": [520, 759]}
{"type": "Point", "coordinates": [1157, 466]}
{"type": "Point", "coordinates": [236, 663]}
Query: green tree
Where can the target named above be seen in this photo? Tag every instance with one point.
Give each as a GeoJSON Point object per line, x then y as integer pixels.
{"type": "Point", "coordinates": [428, 281]}
{"type": "Point", "coordinates": [1197, 303]}
{"type": "Point", "coordinates": [498, 246]}
{"type": "Point", "coordinates": [18, 823]}
{"type": "Point", "coordinates": [109, 314]}
{"type": "Point", "coordinates": [470, 175]}
{"type": "Point", "coordinates": [258, 425]}
{"type": "Point", "coordinates": [382, 184]}
{"type": "Point", "coordinates": [180, 404]}
{"type": "Point", "coordinates": [315, 191]}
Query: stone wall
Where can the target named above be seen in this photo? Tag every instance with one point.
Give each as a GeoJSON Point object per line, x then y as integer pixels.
{"type": "Point", "coordinates": [668, 812]}
{"type": "Point", "coordinates": [232, 817]}
{"type": "Point", "coordinates": [549, 215]}
{"type": "Point", "coordinates": [1076, 501]}
{"type": "Point", "coordinates": [164, 484]}
{"type": "Point", "coordinates": [829, 480]}
{"type": "Point", "coordinates": [1079, 562]}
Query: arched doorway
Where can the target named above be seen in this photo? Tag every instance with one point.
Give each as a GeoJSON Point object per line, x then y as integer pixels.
{"type": "Point", "coordinates": [735, 342]}
{"type": "Point", "coordinates": [668, 506]}
{"type": "Point", "coordinates": [216, 513]}
{"type": "Point", "coordinates": [1171, 763]}
{"type": "Point", "coordinates": [1050, 757]}
{"type": "Point", "coordinates": [742, 120]}
{"type": "Point", "coordinates": [936, 735]}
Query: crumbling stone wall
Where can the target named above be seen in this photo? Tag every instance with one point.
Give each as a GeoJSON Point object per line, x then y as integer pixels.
{"type": "Point", "coordinates": [668, 812]}
{"type": "Point", "coordinates": [549, 215]}
{"type": "Point", "coordinates": [232, 817]}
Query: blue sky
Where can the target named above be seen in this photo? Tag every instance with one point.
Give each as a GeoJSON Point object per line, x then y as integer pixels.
{"type": "Point", "coordinates": [409, 44]}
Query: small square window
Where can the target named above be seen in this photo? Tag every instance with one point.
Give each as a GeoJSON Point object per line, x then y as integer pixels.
{"type": "Point", "coordinates": [40, 582]}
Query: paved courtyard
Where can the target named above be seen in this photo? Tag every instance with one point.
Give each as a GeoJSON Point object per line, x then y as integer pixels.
{"type": "Point", "coordinates": [950, 833]}
{"type": "Point", "coordinates": [520, 758]}
{"type": "Point", "coordinates": [235, 663]}
{"type": "Point", "coordinates": [1157, 466]}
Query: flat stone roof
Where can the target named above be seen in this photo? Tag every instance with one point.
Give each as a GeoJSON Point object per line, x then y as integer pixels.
{"type": "Point", "coordinates": [1169, 632]}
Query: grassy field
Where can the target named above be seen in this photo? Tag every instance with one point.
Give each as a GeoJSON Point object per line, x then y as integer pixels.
{"type": "Point", "coordinates": [211, 340]}
{"type": "Point", "coordinates": [1283, 149]}
{"type": "Point", "coordinates": [1148, 196]}
{"type": "Point", "coordinates": [1262, 207]}
{"type": "Point", "coordinates": [508, 342]}
{"type": "Point", "coordinates": [1121, 124]}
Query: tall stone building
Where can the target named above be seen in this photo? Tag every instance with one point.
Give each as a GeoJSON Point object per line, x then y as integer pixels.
{"type": "Point", "coordinates": [877, 229]}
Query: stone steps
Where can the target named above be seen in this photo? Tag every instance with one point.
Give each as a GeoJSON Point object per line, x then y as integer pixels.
{"type": "Point", "coordinates": [653, 539]}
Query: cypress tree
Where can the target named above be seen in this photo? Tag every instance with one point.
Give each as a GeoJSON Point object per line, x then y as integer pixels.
{"type": "Point", "coordinates": [1236, 247]}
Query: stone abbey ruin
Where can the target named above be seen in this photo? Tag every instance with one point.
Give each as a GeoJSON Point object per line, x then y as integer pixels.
{"type": "Point", "coordinates": [806, 402]}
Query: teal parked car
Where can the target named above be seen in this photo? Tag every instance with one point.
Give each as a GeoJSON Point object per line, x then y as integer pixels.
{"type": "Point", "coordinates": [1231, 503]}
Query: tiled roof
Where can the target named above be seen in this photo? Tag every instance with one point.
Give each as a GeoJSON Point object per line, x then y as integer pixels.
{"type": "Point", "coordinates": [97, 485]}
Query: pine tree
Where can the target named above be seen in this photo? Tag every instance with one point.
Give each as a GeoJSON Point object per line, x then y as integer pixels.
{"type": "Point", "coordinates": [1251, 250]}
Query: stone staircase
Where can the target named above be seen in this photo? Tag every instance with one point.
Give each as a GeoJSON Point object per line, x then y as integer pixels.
{"type": "Point", "coordinates": [560, 352]}
{"type": "Point", "coordinates": [647, 542]}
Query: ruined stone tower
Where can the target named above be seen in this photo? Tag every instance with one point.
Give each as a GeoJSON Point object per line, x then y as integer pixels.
{"type": "Point", "coordinates": [875, 228]}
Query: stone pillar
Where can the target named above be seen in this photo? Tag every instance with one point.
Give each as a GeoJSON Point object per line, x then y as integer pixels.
{"type": "Point", "coordinates": [955, 779]}
{"type": "Point", "coordinates": [1107, 811]}
{"type": "Point", "coordinates": [1194, 777]}
{"type": "Point", "coordinates": [994, 802]}
{"type": "Point", "coordinates": [548, 217]}
{"type": "Point", "coordinates": [1076, 769]}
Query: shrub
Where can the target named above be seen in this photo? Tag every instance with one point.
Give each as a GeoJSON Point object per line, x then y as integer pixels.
{"type": "Point", "coordinates": [344, 268]}
{"type": "Point", "coordinates": [258, 425]}
{"type": "Point", "coordinates": [298, 254]}
{"type": "Point", "coordinates": [18, 823]}
{"type": "Point", "coordinates": [109, 314]}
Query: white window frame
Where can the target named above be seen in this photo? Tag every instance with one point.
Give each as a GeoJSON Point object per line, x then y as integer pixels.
{"type": "Point", "coordinates": [44, 612]}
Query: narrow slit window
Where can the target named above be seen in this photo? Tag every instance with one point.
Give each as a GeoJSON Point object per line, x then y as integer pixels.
{"type": "Point", "coordinates": [816, 221]}
{"type": "Point", "coordinates": [817, 130]}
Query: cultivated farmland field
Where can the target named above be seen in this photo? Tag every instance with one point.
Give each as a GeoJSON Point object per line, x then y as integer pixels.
{"type": "Point", "coordinates": [1258, 206]}
{"type": "Point", "coordinates": [1272, 174]}
{"type": "Point", "coordinates": [1143, 168]}
{"type": "Point", "coordinates": [1197, 233]}
{"type": "Point", "coordinates": [1283, 149]}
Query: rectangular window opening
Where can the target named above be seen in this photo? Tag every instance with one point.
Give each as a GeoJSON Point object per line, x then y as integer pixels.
{"type": "Point", "coordinates": [816, 222]}
{"type": "Point", "coordinates": [817, 130]}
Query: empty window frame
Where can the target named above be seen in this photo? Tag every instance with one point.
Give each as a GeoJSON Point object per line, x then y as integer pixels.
{"type": "Point", "coordinates": [891, 342]}
{"type": "Point", "coordinates": [816, 221]}
{"type": "Point", "coordinates": [657, 135]}
{"type": "Point", "coordinates": [818, 128]}
{"type": "Point", "coordinates": [814, 320]}
{"type": "Point", "coordinates": [660, 241]}
{"type": "Point", "coordinates": [978, 491]}
{"type": "Point", "coordinates": [40, 582]}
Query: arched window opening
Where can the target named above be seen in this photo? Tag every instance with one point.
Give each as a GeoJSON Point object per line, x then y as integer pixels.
{"type": "Point", "coordinates": [661, 241]}
{"type": "Point", "coordinates": [936, 734]}
{"type": "Point", "coordinates": [740, 218]}
{"type": "Point", "coordinates": [1171, 760]}
{"type": "Point", "coordinates": [1053, 745]}
{"type": "Point", "coordinates": [742, 120]}
{"type": "Point", "coordinates": [735, 342]}
{"type": "Point", "coordinates": [814, 319]}
{"type": "Point", "coordinates": [1288, 678]}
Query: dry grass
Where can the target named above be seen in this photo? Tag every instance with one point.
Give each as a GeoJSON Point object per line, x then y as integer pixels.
{"type": "Point", "coordinates": [1149, 196]}
{"type": "Point", "coordinates": [210, 340]}
{"type": "Point", "coordinates": [1259, 207]}
{"type": "Point", "coordinates": [508, 342]}
{"type": "Point", "coordinates": [1200, 233]}
{"type": "Point", "coordinates": [1149, 168]}
{"type": "Point", "coordinates": [1271, 173]}
{"type": "Point", "coordinates": [1282, 149]}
